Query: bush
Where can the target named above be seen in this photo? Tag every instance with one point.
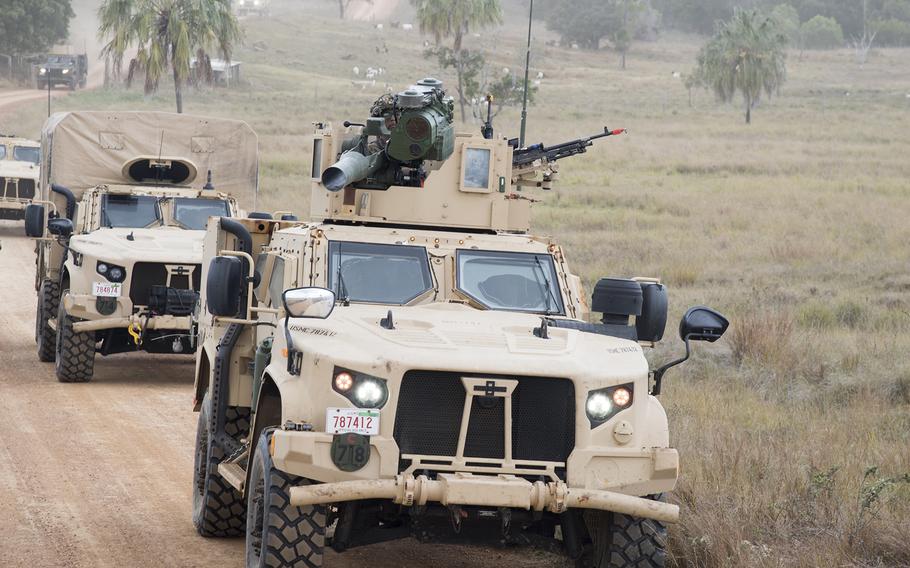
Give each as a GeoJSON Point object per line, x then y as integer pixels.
{"type": "Point", "coordinates": [821, 33]}
{"type": "Point", "coordinates": [892, 32]}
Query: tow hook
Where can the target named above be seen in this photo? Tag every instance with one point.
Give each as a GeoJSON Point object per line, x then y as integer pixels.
{"type": "Point", "coordinates": [135, 331]}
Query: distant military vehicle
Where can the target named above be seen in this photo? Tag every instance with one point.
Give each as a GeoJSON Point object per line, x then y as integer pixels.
{"type": "Point", "coordinates": [19, 159]}
{"type": "Point", "coordinates": [261, 8]}
{"type": "Point", "coordinates": [414, 362]}
{"type": "Point", "coordinates": [130, 193]}
{"type": "Point", "coordinates": [61, 67]}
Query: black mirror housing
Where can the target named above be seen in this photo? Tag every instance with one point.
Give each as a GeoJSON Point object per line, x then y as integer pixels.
{"type": "Point", "coordinates": [34, 220]}
{"type": "Point", "coordinates": [617, 299]}
{"type": "Point", "coordinates": [223, 286]}
{"type": "Point", "coordinates": [652, 322]}
{"type": "Point", "coordinates": [701, 323]}
{"type": "Point", "coordinates": [60, 227]}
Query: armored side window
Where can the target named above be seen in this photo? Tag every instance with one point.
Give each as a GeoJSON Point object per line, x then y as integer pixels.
{"type": "Point", "coordinates": [475, 169]}
{"type": "Point", "coordinates": [2, 152]}
{"type": "Point", "coordinates": [316, 170]}
{"type": "Point", "coordinates": [276, 282]}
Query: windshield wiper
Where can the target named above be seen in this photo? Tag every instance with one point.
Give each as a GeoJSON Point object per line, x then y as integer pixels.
{"type": "Point", "coordinates": [546, 283]}
{"type": "Point", "coordinates": [342, 289]}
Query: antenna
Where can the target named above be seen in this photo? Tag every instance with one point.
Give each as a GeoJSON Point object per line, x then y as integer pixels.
{"type": "Point", "coordinates": [208, 183]}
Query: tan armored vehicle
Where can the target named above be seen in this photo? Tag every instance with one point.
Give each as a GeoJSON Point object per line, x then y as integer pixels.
{"type": "Point", "coordinates": [120, 241]}
{"type": "Point", "coordinates": [414, 363]}
{"type": "Point", "coordinates": [19, 159]}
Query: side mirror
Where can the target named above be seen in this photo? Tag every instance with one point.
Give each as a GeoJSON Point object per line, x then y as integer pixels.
{"type": "Point", "coordinates": [60, 227]}
{"type": "Point", "coordinates": [34, 220]}
{"type": "Point", "coordinates": [702, 324]}
{"type": "Point", "coordinates": [223, 286]}
{"type": "Point", "coordinates": [698, 324]}
{"type": "Point", "coordinates": [650, 325]}
{"type": "Point", "coordinates": [309, 302]}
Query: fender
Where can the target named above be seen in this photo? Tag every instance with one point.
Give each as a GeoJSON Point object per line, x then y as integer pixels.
{"type": "Point", "coordinates": [268, 413]}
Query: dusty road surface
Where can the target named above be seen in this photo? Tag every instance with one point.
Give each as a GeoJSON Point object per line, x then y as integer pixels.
{"type": "Point", "coordinates": [99, 474]}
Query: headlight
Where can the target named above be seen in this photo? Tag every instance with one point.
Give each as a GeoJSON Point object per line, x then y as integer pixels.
{"type": "Point", "coordinates": [112, 272]}
{"type": "Point", "coordinates": [366, 391]}
{"type": "Point", "coordinates": [603, 404]}
{"type": "Point", "coordinates": [65, 71]}
{"type": "Point", "coordinates": [42, 71]}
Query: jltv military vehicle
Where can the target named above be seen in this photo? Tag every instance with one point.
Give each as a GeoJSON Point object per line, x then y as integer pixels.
{"type": "Point", "coordinates": [259, 8]}
{"type": "Point", "coordinates": [120, 241]}
{"type": "Point", "coordinates": [19, 160]}
{"type": "Point", "coordinates": [414, 363]}
{"type": "Point", "coordinates": [63, 68]}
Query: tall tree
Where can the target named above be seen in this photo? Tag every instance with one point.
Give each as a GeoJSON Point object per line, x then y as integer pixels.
{"type": "Point", "coordinates": [455, 19]}
{"type": "Point", "coordinates": [588, 22]}
{"type": "Point", "coordinates": [746, 55]}
{"type": "Point", "coordinates": [166, 35]}
{"type": "Point", "coordinates": [30, 26]}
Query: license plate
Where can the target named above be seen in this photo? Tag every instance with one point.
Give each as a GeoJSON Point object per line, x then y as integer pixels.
{"type": "Point", "coordinates": [352, 420]}
{"type": "Point", "coordinates": [106, 289]}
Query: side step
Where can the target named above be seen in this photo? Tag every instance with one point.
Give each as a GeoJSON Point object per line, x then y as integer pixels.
{"type": "Point", "coordinates": [233, 474]}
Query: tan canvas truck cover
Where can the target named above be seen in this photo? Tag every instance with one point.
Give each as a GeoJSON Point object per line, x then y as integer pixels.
{"type": "Point", "coordinates": [85, 149]}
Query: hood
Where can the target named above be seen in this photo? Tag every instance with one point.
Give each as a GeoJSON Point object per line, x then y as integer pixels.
{"type": "Point", "coordinates": [18, 169]}
{"type": "Point", "coordinates": [160, 244]}
{"type": "Point", "coordinates": [455, 337]}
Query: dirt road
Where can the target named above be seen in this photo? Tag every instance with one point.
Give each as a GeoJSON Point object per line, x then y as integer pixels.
{"type": "Point", "coordinates": [99, 474]}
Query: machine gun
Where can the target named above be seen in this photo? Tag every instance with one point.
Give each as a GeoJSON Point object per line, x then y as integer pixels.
{"type": "Point", "coordinates": [528, 162]}
{"type": "Point", "coordinates": [535, 152]}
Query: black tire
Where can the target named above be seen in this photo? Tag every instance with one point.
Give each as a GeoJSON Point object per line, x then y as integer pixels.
{"type": "Point", "coordinates": [219, 510]}
{"type": "Point", "coordinates": [279, 535]}
{"type": "Point", "coordinates": [620, 540]}
{"type": "Point", "coordinates": [45, 337]}
{"type": "Point", "coordinates": [75, 351]}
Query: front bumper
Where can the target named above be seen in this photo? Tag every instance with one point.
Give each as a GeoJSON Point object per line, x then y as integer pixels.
{"type": "Point", "coordinates": [470, 489]}
{"type": "Point", "coordinates": [82, 306]}
{"type": "Point", "coordinates": [598, 478]}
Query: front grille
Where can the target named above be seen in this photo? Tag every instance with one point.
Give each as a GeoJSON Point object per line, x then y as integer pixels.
{"type": "Point", "coordinates": [148, 274]}
{"type": "Point", "coordinates": [17, 189]}
{"type": "Point", "coordinates": [431, 404]}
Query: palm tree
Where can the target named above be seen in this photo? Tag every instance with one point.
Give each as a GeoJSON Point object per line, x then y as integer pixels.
{"type": "Point", "coordinates": [455, 19]}
{"type": "Point", "coordinates": [746, 55]}
{"type": "Point", "coordinates": [166, 34]}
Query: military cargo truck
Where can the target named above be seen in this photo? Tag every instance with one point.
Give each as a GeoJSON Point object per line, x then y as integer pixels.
{"type": "Point", "coordinates": [414, 362]}
{"type": "Point", "coordinates": [120, 240]}
{"type": "Point", "coordinates": [61, 67]}
{"type": "Point", "coordinates": [19, 160]}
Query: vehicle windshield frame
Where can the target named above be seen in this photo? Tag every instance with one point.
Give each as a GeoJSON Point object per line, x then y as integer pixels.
{"type": "Point", "coordinates": [105, 219]}
{"type": "Point", "coordinates": [337, 248]}
{"type": "Point", "coordinates": [544, 261]}
{"type": "Point", "coordinates": [17, 147]}
{"type": "Point", "coordinates": [175, 205]}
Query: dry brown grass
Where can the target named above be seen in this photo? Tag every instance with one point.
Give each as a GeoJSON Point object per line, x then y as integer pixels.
{"type": "Point", "coordinates": [795, 227]}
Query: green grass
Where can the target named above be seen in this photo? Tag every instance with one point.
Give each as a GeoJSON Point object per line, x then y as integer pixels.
{"type": "Point", "coordinates": [795, 227]}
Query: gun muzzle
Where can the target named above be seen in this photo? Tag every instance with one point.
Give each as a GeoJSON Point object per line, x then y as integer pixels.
{"type": "Point", "coordinates": [351, 167]}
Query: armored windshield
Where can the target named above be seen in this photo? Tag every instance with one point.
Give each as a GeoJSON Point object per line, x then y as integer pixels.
{"type": "Point", "coordinates": [191, 213]}
{"type": "Point", "coordinates": [2, 151]}
{"type": "Point", "coordinates": [510, 281]}
{"type": "Point", "coordinates": [25, 154]}
{"type": "Point", "coordinates": [131, 211]}
{"type": "Point", "coordinates": [378, 274]}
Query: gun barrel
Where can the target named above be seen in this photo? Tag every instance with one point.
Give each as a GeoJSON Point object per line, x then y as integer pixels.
{"type": "Point", "coordinates": [350, 168]}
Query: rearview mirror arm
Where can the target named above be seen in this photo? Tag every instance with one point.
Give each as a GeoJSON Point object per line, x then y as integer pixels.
{"type": "Point", "coordinates": [295, 358]}
{"type": "Point", "coordinates": [658, 373]}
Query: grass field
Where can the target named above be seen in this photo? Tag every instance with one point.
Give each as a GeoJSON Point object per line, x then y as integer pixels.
{"type": "Point", "coordinates": [794, 430]}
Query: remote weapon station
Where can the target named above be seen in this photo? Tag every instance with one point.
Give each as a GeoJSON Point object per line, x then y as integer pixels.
{"type": "Point", "coordinates": [413, 362]}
